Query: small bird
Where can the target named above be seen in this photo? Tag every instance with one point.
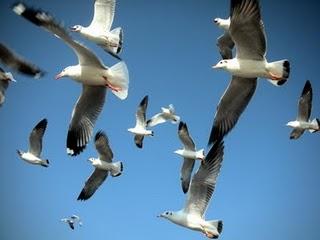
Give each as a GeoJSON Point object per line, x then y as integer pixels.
{"type": "Point", "coordinates": [302, 122]}
{"type": "Point", "coordinates": [224, 42]}
{"type": "Point", "coordinates": [201, 189]}
{"type": "Point", "coordinates": [72, 221]}
{"type": "Point", "coordinates": [35, 145]}
{"type": "Point", "coordinates": [103, 164]}
{"type": "Point", "coordinates": [140, 130]}
{"type": "Point", "coordinates": [17, 63]}
{"type": "Point", "coordinates": [167, 114]}
{"type": "Point", "coordinates": [189, 155]}
{"type": "Point", "coordinates": [5, 78]}
{"type": "Point", "coordinates": [99, 29]}
{"type": "Point", "coordinates": [90, 71]}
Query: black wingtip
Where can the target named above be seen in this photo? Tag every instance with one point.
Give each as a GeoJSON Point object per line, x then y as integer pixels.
{"type": "Point", "coordinates": [72, 147]}
{"type": "Point", "coordinates": [145, 100]}
{"type": "Point", "coordinates": [220, 226]}
{"type": "Point", "coordinates": [182, 125]}
{"type": "Point", "coordinates": [185, 187]}
{"type": "Point", "coordinates": [42, 124]}
{"type": "Point", "coordinates": [307, 88]}
{"type": "Point", "coordinates": [100, 134]}
{"type": "Point", "coordinates": [139, 145]}
{"type": "Point", "coordinates": [82, 196]}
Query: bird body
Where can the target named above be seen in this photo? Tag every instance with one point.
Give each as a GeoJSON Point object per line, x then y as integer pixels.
{"type": "Point", "coordinates": [186, 153]}
{"type": "Point", "coordinates": [31, 158]}
{"type": "Point", "coordinates": [114, 167]}
{"type": "Point", "coordinates": [167, 114]}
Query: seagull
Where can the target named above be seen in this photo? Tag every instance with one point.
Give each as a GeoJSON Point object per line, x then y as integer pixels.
{"type": "Point", "coordinates": [302, 122]}
{"type": "Point", "coordinates": [247, 31]}
{"type": "Point", "coordinates": [35, 145]}
{"type": "Point", "coordinates": [99, 29]}
{"type": "Point", "coordinates": [192, 216]}
{"type": "Point", "coordinates": [189, 155]}
{"type": "Point", "coordinates": [224, 42]}
{"type": "Point", "coordinates": [244, 15]}
{"type": "Point", "coordinates": [72, 221]}
{"type": "Point", "coordinates": [5, 78]}
{"type": "Point", "coordinates": [140, 130]}
{"type": "Point", "coordinates": [166, 115]}
{"type": "Point", "coordinates": [17, 63]}
{"type": "Point", "coordinates": [91, 72]}
{"type": "Point", "coordinates": [103, 164]}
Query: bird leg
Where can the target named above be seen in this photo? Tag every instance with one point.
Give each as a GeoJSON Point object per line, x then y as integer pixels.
{"type": "Point", "coordinates": [275, 77]}
{"type": "Point", "coordinates": [205, 232]}
{"type": "Point", "coordinates": [109, 85]}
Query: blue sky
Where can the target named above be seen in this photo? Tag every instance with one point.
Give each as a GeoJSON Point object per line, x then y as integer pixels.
{"type": "Point", "coordinates": [268, 186]}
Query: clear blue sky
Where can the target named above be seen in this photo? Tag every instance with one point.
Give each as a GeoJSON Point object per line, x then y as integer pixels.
{"type": "Point", "coordinates": [268, 187]}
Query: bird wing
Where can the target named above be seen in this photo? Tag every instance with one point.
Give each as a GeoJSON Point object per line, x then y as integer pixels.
{"type": "Point", "coordinates": [232, 103]}
{"type": "Point", "coordinates": [102, 146]}
{"type": "Point", "coordinates": [225, 45]}
{"type": "Point", "coordinates": [92, 184]}
{"type": "Point", "coordinates": [296, 133]}
{"type": "Point", "coordinates": [305, 102]}
{"type": "Point", "coordinates": [35, 138]}
{"type": "Point", "coordinates": [138, 140]}
{"type": "Point", "coordinates": [141, 112]}
{"type": "Point", "coordinates": [185, 137]}
{"type": "Point", "coordinates": [103, 15]}
{"type": "Point", "coordinates": [11, 59]}
{"type": "Point", "coordinates": [155, 120]}
{"type": "Point", "coordinates": [204, 181]}
{"type": "Point", "coordinates": [186, 172]}
{"type": "Point", "coordinates": [247, 30]}
{"type": "Point", "coordinates": [84, 116]}
{"type": "Point", "coordinates": [45, 20]}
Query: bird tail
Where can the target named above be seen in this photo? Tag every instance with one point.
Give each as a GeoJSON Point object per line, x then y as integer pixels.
{"type": "Point", "coordinates": [281, 70]}
{"type": "Point", "coordinates": [117, 169]}
{"type": "Point", "coordinates": [200, 154]}
{"type": "Point", "coordinates": [118, 31]}
{"type": "Point", "coordinates": [120, 77]}
{"type": "Point", "coordinates": [217, 224]}
{"type": "Point", "coordinates": [316, 123]}
{"type": "Point", "coordinates": [45, 163]}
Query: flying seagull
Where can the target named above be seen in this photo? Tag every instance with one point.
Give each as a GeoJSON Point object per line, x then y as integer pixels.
{"type": "Point", "coordinates": [5, 78]}
{"type": "Point", "coordinates": [246, 29]}
{"type": "Point", "coordinates": [302, 122]}
{"type": "Point", "coordinates": [90, 71]}
{"type": "Point", "coordinates": [189, 155]}
{"type": "Point", "coordinates": [17, 63]}
{"type": "Point", "coordinates": [72, 221]}
{"type": "Point", "coordinates": [224, 42]}
{"type": "Point", "coordinates": [140, 130]}
{"type": "Point", "coordinates": [201, 189]}
{"type": "Point", "coordinates": [103, 164]}
{"type": "Point", "coordinates": [99, 29]}
{"type": "Point", "coordinates": [35, 145]}
{"type": "Point", "coordinates": [166, 114]}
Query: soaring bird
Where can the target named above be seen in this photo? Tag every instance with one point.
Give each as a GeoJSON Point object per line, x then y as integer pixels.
{"type": "Point", "coordinates": [90, 71]}
{"type": "Point", "coordinates": [5, 78]}
{"type": "Point", "coordinates": [167, 114]}
{"type": "Point", "coordinates": [72, 221]}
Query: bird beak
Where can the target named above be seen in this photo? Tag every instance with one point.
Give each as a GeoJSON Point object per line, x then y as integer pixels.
{"type": "Point", "coordinates": [159, 215]}
{"type": "Point", "coordinates": [73, 29]}
{"type": "Point", "coordinates": [215, 66]}
{"type": "Point", "coordinates": [12, 80]}
{"type": "Point", "coordinates": [58, 76]}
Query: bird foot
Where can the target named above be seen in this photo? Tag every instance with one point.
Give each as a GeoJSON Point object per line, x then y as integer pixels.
{"type": "Point", "coordinates": [275, 77]}
{"type": "Point", "coordinates": [113, 88]}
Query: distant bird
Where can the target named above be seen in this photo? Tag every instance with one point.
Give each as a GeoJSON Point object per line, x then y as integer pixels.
{"type": "Point", "coordinates": [72, 221]}
{"type": "Point", "coordinates": [167, 114]}
{"type": "Point", "coordinates": [5, 78]}
{"type": "Point", "coordinates": [247, 32]}
{"type": "Point", "coordinates": [224, 42]}
{"type": "Point", "coordinates": [189, 155]}
{"type": "Point", "coordinates": [35, 145]}
{"type": "Point", "coordinates": [17, 63]}
{"type": "Point", "coordinates": [99, 29]}
{"type": "Point", "coordinates": [91, 72]}
{"type": "Point", "coordinates": [302, 122]}
{"type": "Point", "coordinates": [140, 130]}
{"type": "Point", "coordinates": [103, 164]}
{"type": "Point", "coordinates": [201, 189]}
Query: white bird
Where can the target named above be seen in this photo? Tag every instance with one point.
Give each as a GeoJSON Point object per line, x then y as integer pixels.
{"type": "Point", "coordinates": [72, 220]}
{"type": "Point", "coordinates": [35, 145]}
{"type": "Point", "coordinates": [91, 72]}
{"type": "Point", "coordinates": [166, 114]}
{"type": "Point", "coordinates": [189, 154]}
{"type": "Point", "coordinates": [202, 186]}
{"type": "Point", "coordinates": [103, 164]}
{"type": "Point", "coordinates": [5, 78]}
{"type": "Point", "coordinates": [99, 30]}
{"type": "Point", "coordinates": [302, 122]}
{"type": "Point", "coordinates": [9, 58]}
{"type": "Point", "coordinates": [245, 29]}
{"type": "Point", "coordinates": [140, 130]}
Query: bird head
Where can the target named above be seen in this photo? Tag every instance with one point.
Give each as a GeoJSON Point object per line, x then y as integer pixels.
{"type": "Point", "coordinates": [292, 124]}
{"type": "Point", "coordinates": [71, 71]}
{"type": "Point", "coordinates": [166, 214]}
{"type": "Point", "coordinates": [222, 23]}
{"type": "Point", "coordinates": [76, 28]}
{"type": "Point", "coordinates": [223, 64]}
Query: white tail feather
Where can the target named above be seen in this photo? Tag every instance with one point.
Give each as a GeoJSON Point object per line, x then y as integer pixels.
{"type": "Point", "coordinates": [280, 69]}
{"type": "Point", "coordinates": [120, 78]}
{"type": "Point", "coordinates": [316, 124]}
{"type": "Point", "coordinates": [118, 31]}
{"type": "Point", "coordinates": [200, 154]}
{"type": "Point", "coordinates": [117, 169]}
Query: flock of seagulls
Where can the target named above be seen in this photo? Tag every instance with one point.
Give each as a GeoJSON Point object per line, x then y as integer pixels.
{"type": "Point", "coordinates": [243, 30]}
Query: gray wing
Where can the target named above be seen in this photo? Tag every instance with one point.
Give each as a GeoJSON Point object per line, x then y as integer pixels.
{"type": "Point", "coordinates": [35, 138]}
{"type": "Point", "coordinates": [186, 172]}
{"type": "Point", "coordinates": [247, 30]}
{"type": "Point", "coordinates": [138, 140]}
{"type": "Point", "coordinates": [92, 184]}
{"type": "Point", "coordinates": [141, 112]}
{"type": "Point", "coordinates": [103, 15]}
{"type": "Point", "coordinates": [225, 45]}
{"type": "Point", "coordinates": [45, 20]}
{"type": "Point", "coordinates": [185, 137]}
{"type": "Point", "coordinates": [102, 146]}
{"type": "Point", "coordinates": [11, 59]}
{"type": "Point", "coordinates": [232, 103]}
{"type": "Point", "coordinates": [84, 116]}
{"type": "Point", "coordinates": [305, 102]}
{"type": "Point", "coordinates": [3, 87]}
{"type": "Point", "coordinates": [155, 120]}
{"type": "Point", "coordinates": [204, 181]}
{"type": "Point", "coordinates": [296, 133]}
